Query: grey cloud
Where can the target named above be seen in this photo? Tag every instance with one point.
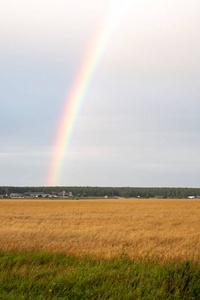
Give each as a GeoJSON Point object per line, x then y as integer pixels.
{"type": "Point", "coordinates": [140, 122]}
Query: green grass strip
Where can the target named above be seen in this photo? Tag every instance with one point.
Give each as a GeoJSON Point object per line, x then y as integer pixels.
{"type": "Point", "coordinates": [55, 276]}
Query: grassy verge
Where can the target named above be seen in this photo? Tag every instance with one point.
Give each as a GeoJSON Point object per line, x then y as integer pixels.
{"type": "Point", "coordinates": [55, 276]}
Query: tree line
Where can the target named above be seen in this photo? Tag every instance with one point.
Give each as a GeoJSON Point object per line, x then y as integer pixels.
{"type": "Point", "coordinates": [124, 192]}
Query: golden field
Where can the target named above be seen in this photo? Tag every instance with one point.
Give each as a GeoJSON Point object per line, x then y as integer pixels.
{"type": "Point", "coordinates": [167, 229]}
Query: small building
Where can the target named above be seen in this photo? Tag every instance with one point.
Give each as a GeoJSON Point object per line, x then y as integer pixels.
{"type": "Point", "coordinates": [35, 194]}
{"type": "Point", "coordinates": [15, 195]}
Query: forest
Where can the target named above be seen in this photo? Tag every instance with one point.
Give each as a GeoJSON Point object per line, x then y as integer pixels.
{"type": "Point", "coordinates": [122, 192]}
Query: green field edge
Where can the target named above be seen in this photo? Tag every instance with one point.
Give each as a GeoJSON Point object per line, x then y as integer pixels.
{"type": "Point", "coordinates": [37, 275]}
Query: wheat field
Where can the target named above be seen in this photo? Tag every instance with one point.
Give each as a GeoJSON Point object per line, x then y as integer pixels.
{"type": "Point", "coordinates": [164, 229]}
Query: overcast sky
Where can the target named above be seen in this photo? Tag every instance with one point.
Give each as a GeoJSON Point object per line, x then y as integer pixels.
{"type": "Point", "coordinates": [140, 124]}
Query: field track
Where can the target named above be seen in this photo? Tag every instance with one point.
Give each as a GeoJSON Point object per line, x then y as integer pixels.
{"type": "Point", "coordinates": [167, 229]}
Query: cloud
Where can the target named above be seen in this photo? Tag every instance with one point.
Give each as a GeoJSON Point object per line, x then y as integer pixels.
{"type": "Point", "coordinates": [140, 122]}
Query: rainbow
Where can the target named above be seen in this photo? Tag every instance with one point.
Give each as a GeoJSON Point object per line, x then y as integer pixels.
{"type": "Point", "coordinates": [77, 96]}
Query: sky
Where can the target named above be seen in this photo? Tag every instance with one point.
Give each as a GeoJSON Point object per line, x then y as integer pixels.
{"type": "Point", "coordinates": [139, 124]}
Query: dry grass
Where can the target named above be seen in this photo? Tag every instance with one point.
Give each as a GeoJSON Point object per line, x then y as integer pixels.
{"type": "Point", "coordinates": [140, 228]}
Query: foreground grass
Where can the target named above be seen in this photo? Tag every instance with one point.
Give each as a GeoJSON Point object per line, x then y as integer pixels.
{"type": "Point", "coordinates": [56, 276]}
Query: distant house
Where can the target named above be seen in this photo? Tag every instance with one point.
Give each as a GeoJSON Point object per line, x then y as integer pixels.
{"type": "Point", "coordinates": [15, 195]}
{"type": "Point", "coordinates": [52, 196]}
{"type": "Point", "coordinates": [35, 194]}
